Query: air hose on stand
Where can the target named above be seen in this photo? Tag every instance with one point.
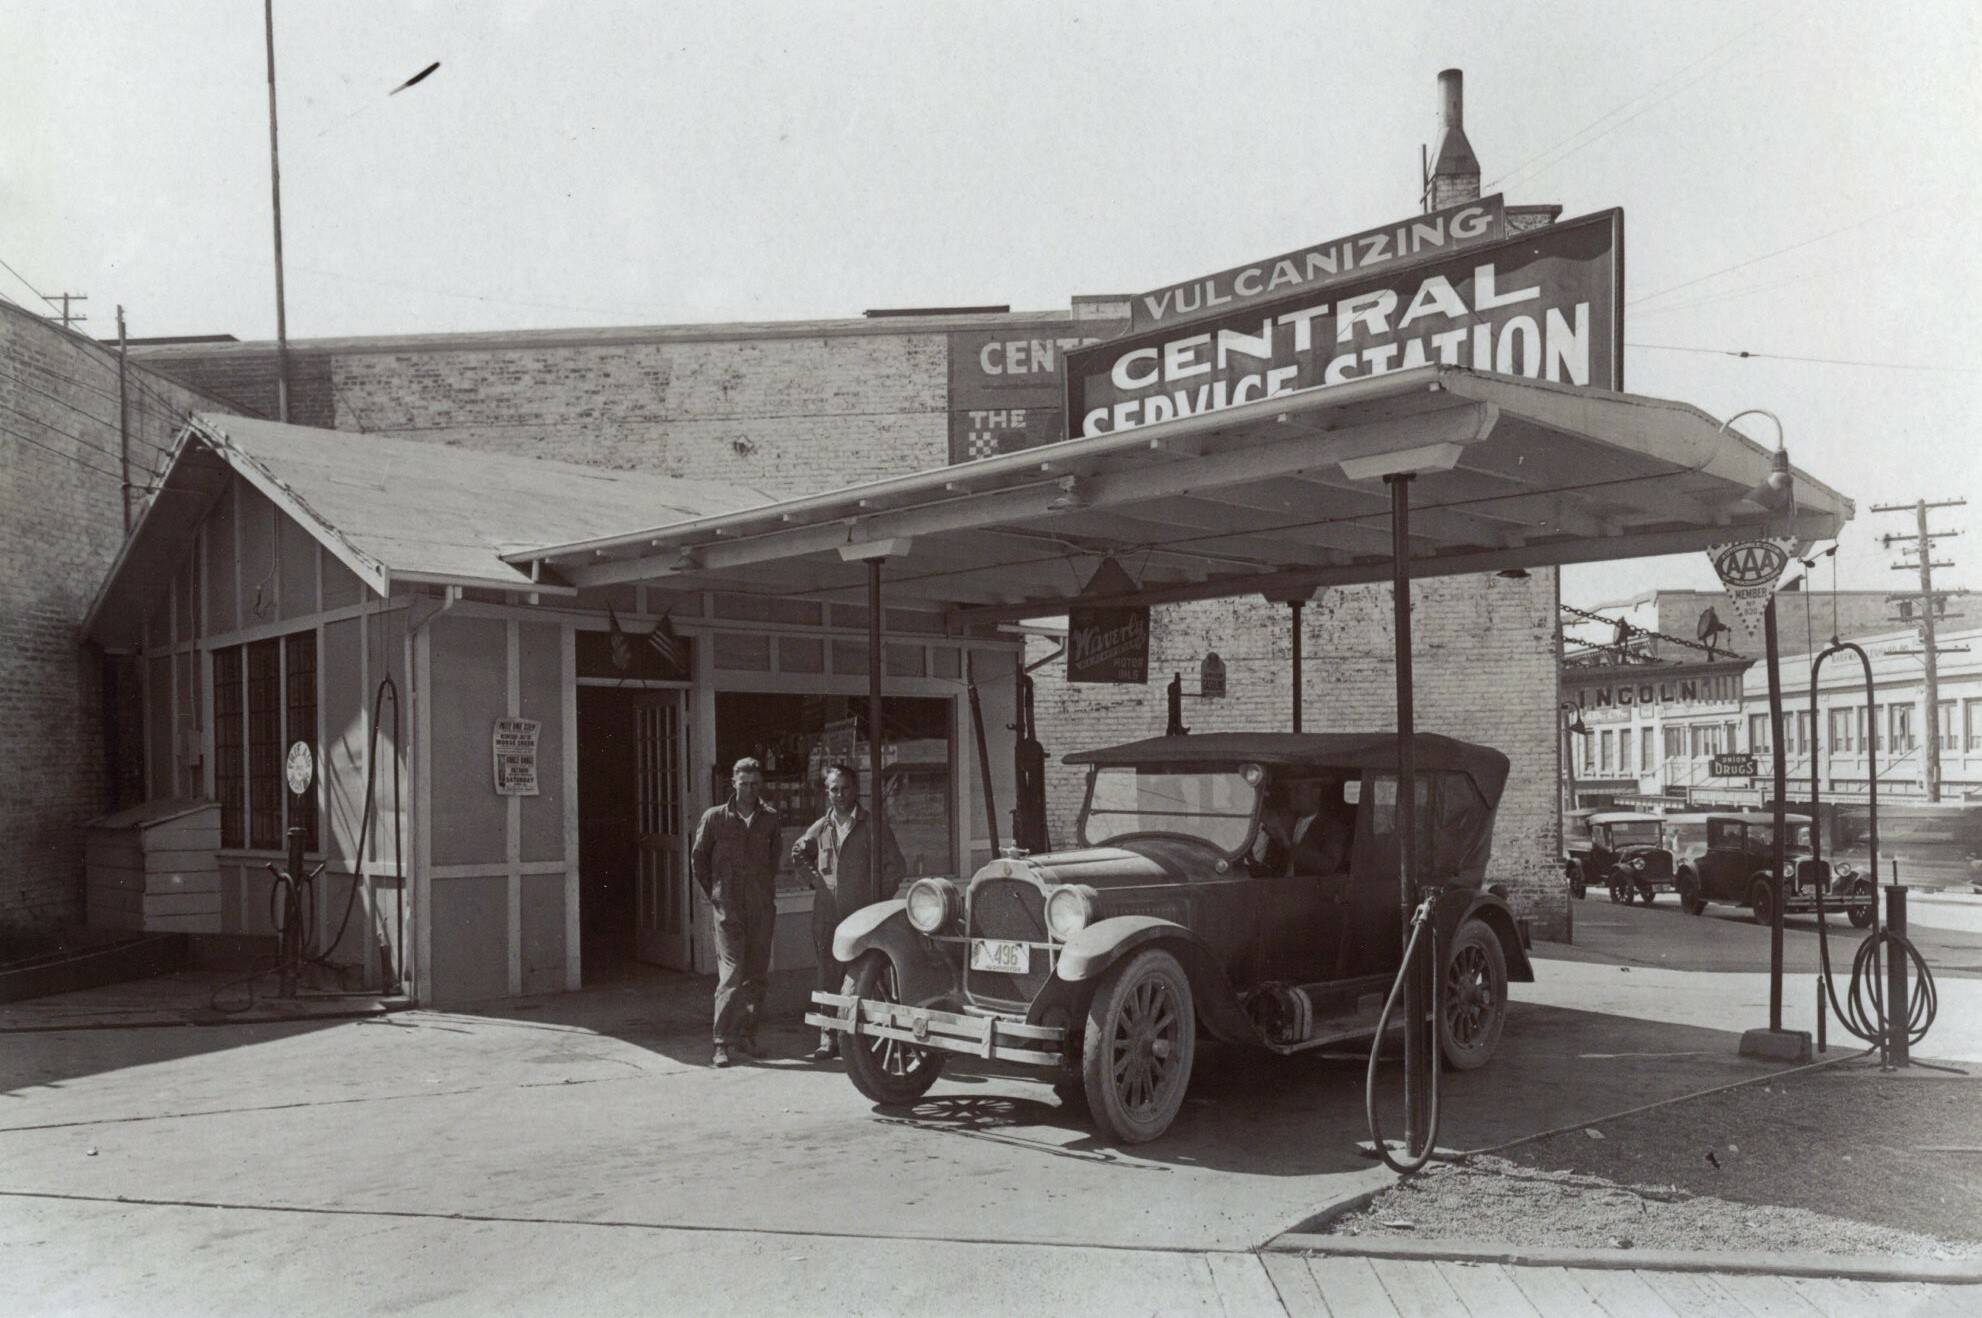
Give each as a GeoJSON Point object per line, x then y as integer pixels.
{"type": "Point", "coordinates": [1867, 1016]}
{"type": "Point", "coordinates": [1421, 922]}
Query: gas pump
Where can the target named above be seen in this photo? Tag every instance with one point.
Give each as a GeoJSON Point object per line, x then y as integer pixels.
{"type": "Point", "coordinates": [294, 891]}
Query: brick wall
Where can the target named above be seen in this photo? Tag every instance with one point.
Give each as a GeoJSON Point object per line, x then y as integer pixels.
{"type": "Point", "coordinates": [1484, 661]}
{"type": "Point", "coordinates": [61, 523]}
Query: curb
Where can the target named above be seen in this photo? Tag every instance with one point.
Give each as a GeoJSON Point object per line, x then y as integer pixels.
{"type": "Point", "coordinates": [1852, 1267]}
{"type": "Point", "coordinates": [378, 1007]}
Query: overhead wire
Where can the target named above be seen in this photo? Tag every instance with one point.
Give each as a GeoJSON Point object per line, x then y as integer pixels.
{"type": "Point", "coordinates": [1546, 158]}
{"type": "Point", "coordinates": [1814, 361]}
{"type": "Point", "coordinates": [68, 457]}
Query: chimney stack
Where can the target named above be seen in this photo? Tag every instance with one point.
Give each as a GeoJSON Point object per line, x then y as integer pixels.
{"type": "Point", "coordinates": [1455, 170]}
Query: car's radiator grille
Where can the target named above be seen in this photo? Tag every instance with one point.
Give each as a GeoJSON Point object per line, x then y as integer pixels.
{"type": "Point", "coordinates": [1015, 910]}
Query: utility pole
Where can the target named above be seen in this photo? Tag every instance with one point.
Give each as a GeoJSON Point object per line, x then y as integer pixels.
{"type": "Point", "coordinates": [1922, 543]}
{"type": "Point", "coordinates": [123, 418]}
{"type": "Point", "coordinates": [68, 317]}
{"type": "Point", "coordinates": [275, 191]}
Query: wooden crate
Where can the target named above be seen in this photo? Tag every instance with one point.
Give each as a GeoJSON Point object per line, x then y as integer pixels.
{"type": "Point", "coordinates": [153, 867]}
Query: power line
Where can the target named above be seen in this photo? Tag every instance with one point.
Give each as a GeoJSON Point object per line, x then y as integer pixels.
{"type": "Point", "coordinates": [1624, 105]}
{"type": "Point", "coordinates": [67, 457]}
{"type": "Point", "coordinates": [1757, 260]}
{"type": "Point", "coordinates": [1819, 361]}
{"type": "Point", "coordinates": [79, 411]}
{"type": "Point", "coordinates": [30, 287]}
{"type": "Point", "coordinates": [79, 342]}
{"type": "Point", "coordinates": [57, 430]}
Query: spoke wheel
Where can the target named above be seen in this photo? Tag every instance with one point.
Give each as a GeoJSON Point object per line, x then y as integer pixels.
{"type": "Point", "coordinates": [1861, 916]}
{"type": "Point", "coordinates": [1473, 999]}
{"type": "Point", "coordinates": [888, 1071]}
{"type": "Point", "coordinates": [1762, 900]}
{"type": "Point", "coordinates": [1690, 899]}
{"type": "Point", "coordinates": [1620, 890]}
{"type": "Point", "coordinates": [1136, 1056]}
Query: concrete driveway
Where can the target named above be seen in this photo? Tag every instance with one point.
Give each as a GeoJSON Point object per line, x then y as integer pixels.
{"type": "Point", "coordinates": [581, 1142]}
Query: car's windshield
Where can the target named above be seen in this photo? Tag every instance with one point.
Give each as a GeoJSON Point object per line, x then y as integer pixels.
{"type": "Point", "coordinates": [1213, 804]}
{"type": "Point", "coordinates": [1637, 833]}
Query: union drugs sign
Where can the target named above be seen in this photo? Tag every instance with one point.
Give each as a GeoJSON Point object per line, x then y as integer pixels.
{"type": "Point", "coordinates": [1545, 304]}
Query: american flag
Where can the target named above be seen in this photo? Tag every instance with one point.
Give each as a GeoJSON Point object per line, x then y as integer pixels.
{"type": "Point", "coordinates": [667, 644]}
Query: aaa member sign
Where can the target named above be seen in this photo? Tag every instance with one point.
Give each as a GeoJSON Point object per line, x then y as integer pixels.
{"type": "Point", "coordinates": [1749, 571]}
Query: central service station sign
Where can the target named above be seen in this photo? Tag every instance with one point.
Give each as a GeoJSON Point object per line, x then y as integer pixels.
{"type": "Point", "coordinates": [1545, 304]}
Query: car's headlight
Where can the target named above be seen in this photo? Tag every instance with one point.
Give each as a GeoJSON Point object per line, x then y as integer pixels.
{"type": "Point", "coordinates": [1789, 870]}
{"type": "Point", "coordinates": [1070, 910]}
{"type": "Point", "coordinates": [1638, 864]}
{"type": "Point", "coordinates": [1843, 869]}
{"type": "Point", "coordinates": [933, 904]}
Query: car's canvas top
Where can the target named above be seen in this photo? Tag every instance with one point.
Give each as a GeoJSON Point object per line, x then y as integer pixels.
{"type": "Point", "coordinates": [1486, 766]}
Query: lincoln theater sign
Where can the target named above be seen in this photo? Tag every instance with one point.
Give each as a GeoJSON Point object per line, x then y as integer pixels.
{"type": "Point", "coordinates": [1544, 304]}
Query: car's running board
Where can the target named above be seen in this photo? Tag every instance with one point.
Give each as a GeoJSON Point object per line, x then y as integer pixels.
{"type": "Point", "coordinates": [1359, 1023]}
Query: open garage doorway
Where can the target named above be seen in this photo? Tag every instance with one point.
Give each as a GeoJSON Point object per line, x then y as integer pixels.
{"type": "Point", "coordinates": [632, 831]}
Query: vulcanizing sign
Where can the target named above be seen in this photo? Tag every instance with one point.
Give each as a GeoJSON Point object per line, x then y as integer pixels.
{"type": "Point", "coordinates": [1308, 268]}
{"type": "Point", "coordinates": [1545, 305]}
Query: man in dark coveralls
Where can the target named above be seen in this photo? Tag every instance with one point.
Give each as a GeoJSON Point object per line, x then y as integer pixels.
{"type": "Point", "coordinates": [735, 862]}
{"type": "Point", "coordinates": [834, 855]}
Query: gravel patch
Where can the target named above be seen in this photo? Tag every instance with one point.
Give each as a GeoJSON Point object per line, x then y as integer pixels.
{"type": "Point", "coordinates": [1842, 1160]}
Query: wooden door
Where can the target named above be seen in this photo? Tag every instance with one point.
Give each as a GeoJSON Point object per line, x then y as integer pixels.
{"type": "Point", "coordinates": [661, 897]}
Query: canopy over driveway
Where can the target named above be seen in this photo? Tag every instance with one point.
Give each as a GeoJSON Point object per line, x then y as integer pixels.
{"type": "Point", "coordinates": [1276, 497]}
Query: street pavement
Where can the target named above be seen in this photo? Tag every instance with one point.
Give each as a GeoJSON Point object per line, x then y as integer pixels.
{"type": "Point", "coordinates": [576, 1154]}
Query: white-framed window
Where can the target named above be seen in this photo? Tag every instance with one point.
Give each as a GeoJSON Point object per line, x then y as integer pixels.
{"type": "Point", "coordinates": [1758, 734]}
{"type": "Point", "coordinates": [1609, 738]}
{"type": "Point", "coordinates": [1647, 750]}
{"type": "Point", "coordinates": [1971, 717]}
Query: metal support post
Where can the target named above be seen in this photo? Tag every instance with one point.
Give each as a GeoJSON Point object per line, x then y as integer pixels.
{"type": "Point", "coordinates": [1823, 1011]}
{"type": "Point", "coordinates": [1778, 755]}
{"type": "Point", "coordinates": [292, 917]}
{"type": "Point", "coordinates": [1418, 1059]}
{"type": "Point", "coordinates": [1294, 607]}
{"type": "Point", "coordinates": [1898, 1021]}
{"type": "Point", "coordinates": [874, 723]}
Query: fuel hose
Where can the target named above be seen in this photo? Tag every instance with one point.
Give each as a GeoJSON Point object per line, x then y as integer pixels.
{"type": "Point", "coordinates": [1412, 1161]}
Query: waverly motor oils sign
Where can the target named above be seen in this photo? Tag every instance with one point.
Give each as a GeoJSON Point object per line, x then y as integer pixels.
{"type": "Point", "coordinates": [1546, 304]}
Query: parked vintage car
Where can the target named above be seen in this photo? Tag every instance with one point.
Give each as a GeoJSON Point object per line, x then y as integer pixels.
{"type": "Point", "coordinates": [1734, 865]}
{"type": "Point", "coordinates": [1620, 851]}
{"type": "Point", "coordinates": [1181, 911]}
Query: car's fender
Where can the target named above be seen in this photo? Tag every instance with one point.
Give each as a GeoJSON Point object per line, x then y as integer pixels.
{"type": "Point", "coordinates": [1491, 910]}
{"type": "Point", "coordinates": [1088, 955]}
{"type": "Point", "coordinates": [921, 974]}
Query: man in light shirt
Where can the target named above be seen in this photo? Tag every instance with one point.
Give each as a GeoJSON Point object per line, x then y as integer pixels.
{"type": "Point", "coordinates": [735, 863]}
{"type": "Point", "coordinates": [834, 854]}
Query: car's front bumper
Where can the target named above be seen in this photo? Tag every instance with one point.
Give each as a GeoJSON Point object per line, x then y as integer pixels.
{"type": "Point", "coordinates": [994, 1038]}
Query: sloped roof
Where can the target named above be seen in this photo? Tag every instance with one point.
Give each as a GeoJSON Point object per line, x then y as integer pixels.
{"type": "Point", "coordinates": [389, 509]}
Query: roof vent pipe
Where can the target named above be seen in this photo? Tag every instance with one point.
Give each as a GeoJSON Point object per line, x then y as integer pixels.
{"type": "Point", "coordinates": [1455, 170]}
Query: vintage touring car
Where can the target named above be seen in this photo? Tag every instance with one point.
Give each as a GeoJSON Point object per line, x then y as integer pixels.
{"type": "Point", "coordinates": [1245, 884]}
{"type": "Point", "coordinates": [1734, 863]}
{"type": "Point", "coordinates": [1620, 851]}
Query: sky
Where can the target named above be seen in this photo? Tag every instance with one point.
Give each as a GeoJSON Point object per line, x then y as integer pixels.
{"type": "Point", "coordinates": [1795, 179]}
